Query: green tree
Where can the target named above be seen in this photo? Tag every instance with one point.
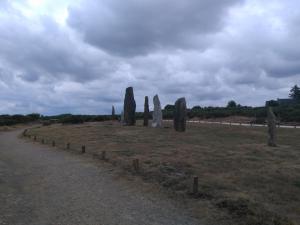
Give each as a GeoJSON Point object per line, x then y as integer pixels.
{"type": "Point", "coordinates": [196, 108]}
{"type": "Point", "coordinates": [169, 107]}
{"type": "Point", "coordinates": [231, 104]}
{"type": "Point", "coordinates": [295, 93]}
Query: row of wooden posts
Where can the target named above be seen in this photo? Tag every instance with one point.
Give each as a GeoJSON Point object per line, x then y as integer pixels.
{"type": "Point", "coordinates": [135, 162]}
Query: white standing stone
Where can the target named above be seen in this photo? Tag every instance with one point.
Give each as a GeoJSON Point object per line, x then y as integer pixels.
{"type": "Point", "coordinates": [157, 113]}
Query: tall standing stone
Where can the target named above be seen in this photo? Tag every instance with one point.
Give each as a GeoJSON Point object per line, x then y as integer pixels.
{"type": "Point", "coordinates": [271, 128]}
{"type": "Point", "coordinates": [129, 107]}
{"type": "Point", "coordinates": [113, 113]}
{"type": "Point", "coordinates": [157, 113]}
{"type": "Point", "coordinates": [122, 117]}
{"type": "Point", "coordinates": [180, 115]}
{"type": "Point", "coordinates": [146, 112]}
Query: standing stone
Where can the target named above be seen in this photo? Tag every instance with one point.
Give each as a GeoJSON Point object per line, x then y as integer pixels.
{"type": "Point", "coordinates": [271, 128]}
{"type": "Point", "coordinates": [113, 113]}
{"type": "Point", "coordinates": [180, 115]}
{"type": "Point", "coordinates": [129, 107]}
{"type": "Point", "coordinates": [157, 113]}
{"type": "Point", "coordinates": [122, 117]}
{"type": "Point", "coordinates": [146, 112]}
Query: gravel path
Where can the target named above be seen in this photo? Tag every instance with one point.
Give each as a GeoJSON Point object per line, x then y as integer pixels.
{"type": "Point", "coordinates": [40, 185]}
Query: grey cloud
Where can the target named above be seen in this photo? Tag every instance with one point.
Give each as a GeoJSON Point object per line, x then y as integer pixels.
{"type": "Point", "coordinates": [51, 69]}
{"type": "Point", "coordinates": [138, 27]}
{"type": "Point", "coordinates": [46, 51]}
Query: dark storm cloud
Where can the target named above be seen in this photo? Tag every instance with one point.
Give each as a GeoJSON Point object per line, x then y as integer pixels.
{"type": "Point", "coordinates": [209, 51]}
{"type": "Point", "coordinates": [136, 27]}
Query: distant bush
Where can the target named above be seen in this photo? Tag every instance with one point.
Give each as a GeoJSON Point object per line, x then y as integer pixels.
{"type": "Point", "coordinates": [72, 120]}
{"type": "Point", "coordinates": [9, 120]}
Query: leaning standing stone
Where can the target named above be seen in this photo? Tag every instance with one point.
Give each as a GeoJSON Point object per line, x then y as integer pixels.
{"type": "Point", "coordinates": [157, 113]}
{"type": "Point", "coordinates": [129, 107]}
{"type": "Point", "coordinates": [146, 112]}
{"type": "Point", "coordinates": [271, 128]}
{"type": "Point", "coordinates": [180, 115]}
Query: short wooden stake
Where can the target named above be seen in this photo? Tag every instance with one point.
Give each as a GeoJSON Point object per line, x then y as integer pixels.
{"type": "Point", "coordinates": [34, 138]}
{"type": "Point", "coordinates": [83, 149]}
{"type": "Point", "coordinates": [135, 164]}
{"type": "Point", "coordinates": [195, 185]}
{"type": "Point", "coordinates": [43, 141]}
{"type": "Point", "coordinates": [53, 143]}
{"type": "Point", "coordinates": [68, 145]}
{"type": "Point", "coordinates": [24, 132]}
{"type": "Point", "coordinates": [103, 155]}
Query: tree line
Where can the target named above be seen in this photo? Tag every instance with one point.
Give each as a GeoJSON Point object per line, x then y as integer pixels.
{"type": "Point", "coordinates": [284, 113]}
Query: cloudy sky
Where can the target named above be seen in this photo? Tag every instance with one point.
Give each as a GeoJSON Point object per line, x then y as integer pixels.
{"type": "Point", "coordinates": [78, 56]}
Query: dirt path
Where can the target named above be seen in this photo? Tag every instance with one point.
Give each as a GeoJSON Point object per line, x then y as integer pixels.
{"type": "Point", "coordinates": [39, 185]}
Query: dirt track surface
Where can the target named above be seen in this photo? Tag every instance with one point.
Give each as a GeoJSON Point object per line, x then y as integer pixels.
{"type": "Point", "coordinates": [40, 185]}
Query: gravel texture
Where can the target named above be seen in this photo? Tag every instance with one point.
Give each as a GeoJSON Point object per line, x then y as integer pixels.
{"type": "Point", "coordinates": [42, 185]}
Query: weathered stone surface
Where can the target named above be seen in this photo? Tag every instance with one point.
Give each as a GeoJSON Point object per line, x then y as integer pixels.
{"type": "Point", "coordinates": [180, 115]}
{"type": "Point", "coordinates": [146, 112]}
{"type": "Point", "coordinates": [122, 117]}
{"type": "Point", "coordinates": [157, 113]}
{"type": "Point", "coordinates": [271, 128]}
{"type": "Point", "coordinates": [113, 113]}
{"type": "Point", "coordinates": [129, 107]}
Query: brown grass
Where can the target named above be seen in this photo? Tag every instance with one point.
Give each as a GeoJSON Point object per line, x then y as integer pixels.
{"type": "Point", "coordinates": [241, 179]}
{"type": "Point", "coordinates": [11, 128]}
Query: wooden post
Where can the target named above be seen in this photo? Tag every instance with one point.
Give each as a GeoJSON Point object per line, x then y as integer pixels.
{"type": "Point", "coordinates": [103, 155]}
{"type": "Point", "coordinates": [195, 185]}
{"type": "Point", "coordinates": [53, 143]}
{"type": "Point", "coordinates": [68, 145]}
{"type": "Point", "coordinates": [83, 149]}
{"type": "Point", "coordinates": [135, 164]}
{"type": "Point", "coordinates": [24, 132]}
{"type": "Point", "coordinates": [43, 141]}
{"type": "Point", "coordinates": [34, 138]}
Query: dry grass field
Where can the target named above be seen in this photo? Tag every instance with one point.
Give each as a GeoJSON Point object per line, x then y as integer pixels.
{"type": "Point", "coordinates": [241, 179]}
{"type": "Point", "coordinates": [11, 128]}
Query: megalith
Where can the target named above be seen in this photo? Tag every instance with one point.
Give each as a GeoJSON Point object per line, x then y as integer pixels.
{"type": "Point", "coordinates": [129, 107]}
{"type": "Point", "coordinates": [271, 128]}
{"type": "Point", "coordinates": [122, 117]}
{"type": "Point", "coordinates": [146, 111]}
{"type": "Point", "coordinates": [180, 112]}
{"type": "Point", "coordinates": [113, 113]}
{"type": "Point", "coordinates": [157, 113]}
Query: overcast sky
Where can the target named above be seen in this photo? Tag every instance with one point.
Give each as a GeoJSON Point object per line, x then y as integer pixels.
{"type": "Point", "coordinates": [78, 56]}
